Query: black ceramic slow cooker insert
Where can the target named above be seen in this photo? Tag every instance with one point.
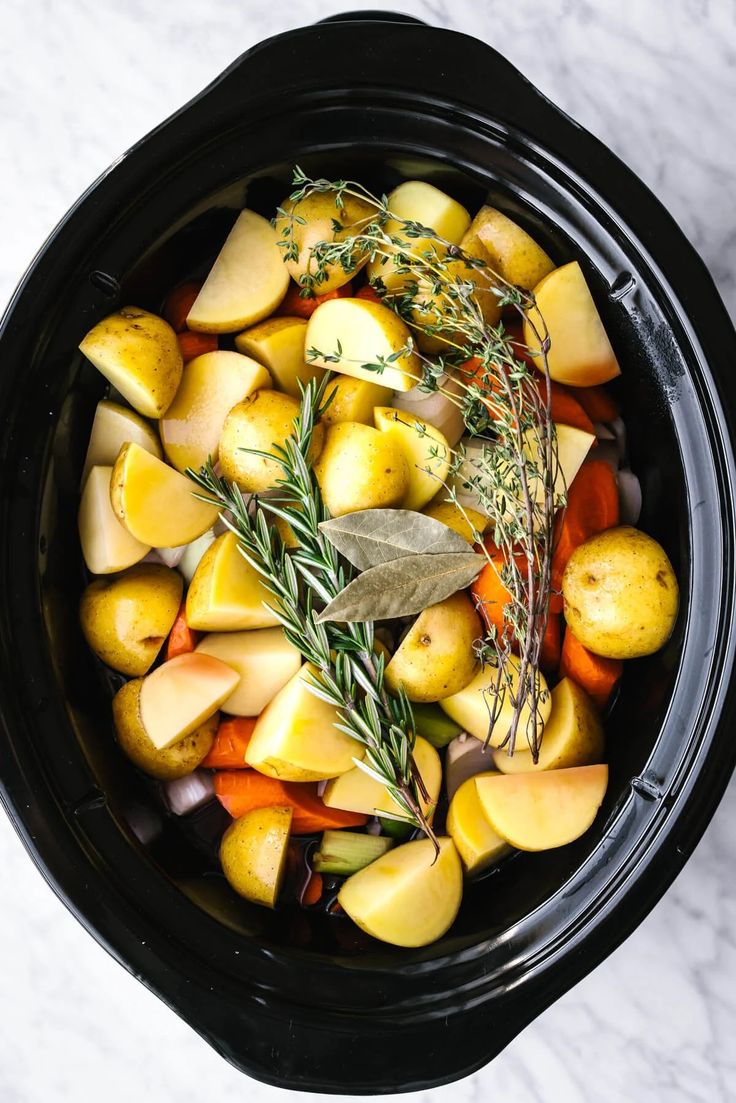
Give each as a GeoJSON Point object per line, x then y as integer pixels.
{"type": "Point", "coordinates": [379, 99]}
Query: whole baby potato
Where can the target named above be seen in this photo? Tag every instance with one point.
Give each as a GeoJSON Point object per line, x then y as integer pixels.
{"type": "Point", "coordinates": [620, 594]}
{"type": "Point", "coordinates": [318, 218]}
{"type": "Point", "coordinates": [126, 618]}
{"type": "Point", "coordinates": [260, 421]}
{"type": "Point", "coordinates": [166, 763]}
{"type": "Point", "coordinates": [360, 468]}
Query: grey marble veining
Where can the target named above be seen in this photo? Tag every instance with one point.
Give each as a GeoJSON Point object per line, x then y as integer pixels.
{"type": "Point", "coordinates": [79, 83]}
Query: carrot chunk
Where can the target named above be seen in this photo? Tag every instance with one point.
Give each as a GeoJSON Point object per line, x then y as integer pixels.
{"type": "Point", "coordinates": [240, 791]}
{"type": "Point", "coordinates": [182, 639]}
{"type": "Point", "coordinates": [231, 743]}
{"type": "Point", "coordinates": [294, 305]}
{"type": "Point", "coordinates": [195, 344]}
{"type": "Point", "coordinates": [178, 304]}
{"type": "Point", "coordinates": [597, 403]}
{"type": "Point", "coordinates": [595, 674]}
{"type": "Point", "coordinates": [592, 507]}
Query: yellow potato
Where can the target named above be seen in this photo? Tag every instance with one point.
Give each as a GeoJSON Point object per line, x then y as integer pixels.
{"type": "Point", "coordinates": [211, 385]}
{"type": "Point", "coordinates": [511, 251]}
{"type": "Point", "coordinates": [139, 354]}
{"type": "Point", "coordinates": [470, 708]}
{"type": "Point", "coordinates": [360, 468]}
{"type": "Point", "coordinates": [436, 657]}
{"type": "Point", "coordinates": [319, 213]}
{"type": "Point", "coordinates": [279, 344]}
{"type": "Point", "coordinates": [621, 594]}
{"type": "Point", "coordinates": [263, 658]}
{"type": "Point", "coordinates": [446, 306]}
{"type": "Point", "coordinates": [543, 811]}
{"type": "Point", "coordinates": [573, 446]}
{"type": "Point", "coordinates": [355, 791]}
{"type": "Point", "coordinates": [126, 619]}
{"type": "Point", "coordinates": [227, 594]}
{"type": "Point", "coordinates": [247, 281]}
{"type": "Point", "coordinates": [478, 845]}
{"type": "Point", "coordinates": [466, 523]}
{"type": "Point", "coordinates": [253, 853]}
{"type": "Point", "coordinates": [155, 503]}
{"type": "Point", "coordinates": [114, 426]}
{"type": "Point", "coordinates": [107, 546]}
{"type": "Point", "coordinates": [580, 353]}
{"type": "Point", "coordinates": [164, 763]}
{"type": "Point", "coordinates": [354, 399]}
{"type": "Point", "coordinates": [181, 694]}
{"type": "Point", "coordinates": [295, 738]}
{"type": "Point", "coordinates": [426, 450]}
{"type": "Point", "coordinates": [409, 896]}
{"type": "Point", "coordinates": [573, 735]}
{"type": "Point", "coordinates": [418, 201]}
{"type": "Point", "coordinates": [358, 337]}
{"type": "Point", "coordinates": [263, 420]}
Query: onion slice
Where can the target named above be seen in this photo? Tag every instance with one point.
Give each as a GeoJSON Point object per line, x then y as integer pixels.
{"type": "Point", "coordinates": [629, 496]}
{"type": "Point", "coordinates": [435, 407]}
{"type": "Point", "coordinates": [185, 794]}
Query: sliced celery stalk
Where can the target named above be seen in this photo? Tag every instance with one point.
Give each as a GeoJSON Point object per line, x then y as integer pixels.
{"type": "Point", "coordinates": [346, 851]}
{"type": "Point", "coordinates": [434, 725]}
{"type": "Point", "coordinates": [395, 829]}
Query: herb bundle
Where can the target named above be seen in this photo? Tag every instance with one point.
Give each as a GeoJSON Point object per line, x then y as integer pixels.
{"type": "Point", "coordinates": [452, 297]}
{"type": "Point", "coordinates": [349, 671]}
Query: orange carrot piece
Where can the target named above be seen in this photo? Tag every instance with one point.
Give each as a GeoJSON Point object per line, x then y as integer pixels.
{"type": "Point", "coordinates": [231, 743]}
{"type": "Point", "coordinates": [240, 791]}
{"type": "Point", "coordinates": [182, 639]}
{"type": "Point", "coordinates": [178, 304]}
{"type": "Point", "coordinates": [294, 305]}
{"type": "Point", "coordinates": [194, 344]}
{"type": "Point", "coordinates": [595, 674]}
{"type": "Point", "coordinates": [564, 409]}
{"type": "Point", "coordinates": [313, 891]}
{"type": "Point", "coordinates": [549, 655]}
{"type": "Point", "coordinates": [597, 403]}
{"type": "Point", "coordinates": [489, 593]}
{"type": "Point", "coordinates": [592, 507]}
{"type": "Point", "coordinates": [368, 292]}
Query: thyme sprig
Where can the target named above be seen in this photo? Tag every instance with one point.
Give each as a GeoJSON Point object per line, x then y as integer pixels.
{"type": "Point", "coordinates": [446, 292]}
{"type": "Point", "coordinates": [350, 674]}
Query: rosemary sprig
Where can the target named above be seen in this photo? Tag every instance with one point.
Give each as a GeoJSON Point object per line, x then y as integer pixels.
{"type": "Point", "coordinates": [350, 675]}
{"type": "Point", "coordinates": [444, 292]}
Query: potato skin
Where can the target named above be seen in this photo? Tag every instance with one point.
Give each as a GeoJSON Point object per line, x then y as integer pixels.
{"type": "Point", "coordinates": [621, 594]}
{"type": "Point", "coordinates": [126, 618]}
{"type": "Point", "coordinates": [360, 468]}
{"type": "Point", "coordinates": [436, 657]}
{"type": "Point", "coordinates": [176, 760]}
{"type": "Point", "coordinates": [320, 213]}
{"type": "Point", "coordinates": [263, 419]}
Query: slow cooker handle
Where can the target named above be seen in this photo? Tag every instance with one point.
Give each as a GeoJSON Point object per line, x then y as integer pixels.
{"type": "Point", "coordinates": [373, 16]}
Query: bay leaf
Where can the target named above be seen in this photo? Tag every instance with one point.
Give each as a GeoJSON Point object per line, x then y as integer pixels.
{"type": "Point", "coordinates": [404, 586]}
{"type": "Point", "coordinates": [371, 537]}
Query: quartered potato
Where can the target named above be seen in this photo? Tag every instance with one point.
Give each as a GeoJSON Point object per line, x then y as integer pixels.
{"type": "Point", "coordinates": [247, 281]}
{"type": "Point", "coordinates": [155, 503]}
{"type": "Point", "coordinates": [211, 385]}
{"type": "Point", "coordinates": [139, 354]}
{"type": "Point", "coordinates": [164, 763]}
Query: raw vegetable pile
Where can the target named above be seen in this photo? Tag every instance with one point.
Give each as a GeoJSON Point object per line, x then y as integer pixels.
{"type": "Point", "coordinates": [363, 536]}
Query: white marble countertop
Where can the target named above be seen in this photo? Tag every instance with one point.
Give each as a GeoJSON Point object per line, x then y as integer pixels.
{"type": "Point", "coordinates": [79, 83]}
